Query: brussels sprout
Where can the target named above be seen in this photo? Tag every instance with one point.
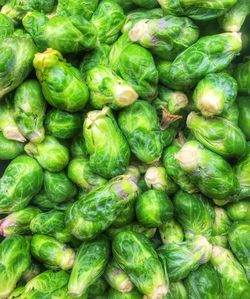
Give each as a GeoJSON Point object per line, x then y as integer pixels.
{"type": "Point", "coordinates": [209, 54]}
{"type": "Point", "coordinates": [62, 124]}
{"type": "Point", "coordinates": [203, 283]}
{"type": "Point", "coordinates": [171, 232]}
{"type": "Point", "coordinates": [194, 213]}
{"type": "Point", "coordinates": [78, 147]}
{"type": "Point", "coordinates": [106, 88]}
{"type": "Point", "coordinates": [198, 9]}
{"type": "Point", "coordinates": [239, 240]}
{"type": "Point", "coordinates": [174, 170]}
{"type": "Point", "coordinates": [79, 171]}
{"type": "Point", "coordinates": [98, 56]}
{"type": "Point", "coordinates": [135, 227]}
{"type": "Point", "coordinates": [232, 276]}
{"type": "Point", "coordinates": [15, 260]}
{"type": "Point", "coordinates": [83, 8]}
{"type": "Point", "coordinates": [173, 101]}
{"type": "Point", "coordinates": [29, 110]}
{"type": "Point", "coordinates": [140, 14]}
{"type": "Point", "coordinates": [6, 26]}
{"type": "Point", "coordinates": [242, 169]}
{"type": "Point", "coordinates": [136, 256]}
{"type": "Point", "coordinates": [51, 252]}
{"type": "Point", "coordinates": [17, 9]}
{"type": "Point", "coordinates": [215, 94]}
{"type": "Point", "coordinates": [18, 222]}
{"type": "Point", "coordinates": [153, 208]}
{"type": "Point", "coordinates": [136, 65]}
{"type": "Point", "coordinates": [46, 284]}
{"type": "Point", "coordinates": [114, 294]}
{"type": "Point", "coordinates": [156, 178]}
{"type": "Point", "coordinates": [21, 181]}
{"type": "Point", "coordinates": [232, 114]}
{"type": "Point", "coordinates": [235, 17]}
{"type": "Point", "coordinates": [165, 37]}
{"type": "Point", "coordinates": [140, 125]}
{"type": "Point", "coordinates": [108, 20]}
{"type": "Point", "coordinates": [95, 211]}
{"type": "Point", "coordinates": [89, 265]}
{"type": "Point", "coordinates": [239, 211]}
{"type": "Point", "coordinates": [51, 223]}
{"type": "Point", "coordinates": [8, 125]}
{"type": "Point", "coordinates": [15, 66]}
{"type": "Point", "coordinates": [108, 148]}
{"type": "Point", "coordinates": [208, 171]}
{"type": "Point", "coordinates": [33, 270]}
{"type": "Point", "coordinates": [9, 149]}
{"type": "Point", "coordinates": [58, 187]}
{"type": "Point", "coordinates": [65, 34]}
{"type": "Point", "coordinates": [218, 134]}
{"type": "Point", "coordinates": [117, 278]}
{"type": "Point", "coordinates": [181, 259]}
{"type": "Point", "coordinates": [244, 115]}
{"type": "Point", "coordinates": [50, 154]}
{"type": "Point", "coordinates": [67, 91]}
{"type": "Point", "coordinates": [98, 288]}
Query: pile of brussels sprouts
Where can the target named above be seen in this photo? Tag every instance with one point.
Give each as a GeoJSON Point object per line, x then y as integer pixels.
{"type": "Point", "coordinates": [125, 149]}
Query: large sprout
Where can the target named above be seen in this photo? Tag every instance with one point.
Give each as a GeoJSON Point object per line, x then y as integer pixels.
{"type": "Point", "coordinates": [165, 37]}
{"type": "Point", "coordinates": [83, 8]}
{"type": "Point", "coordinates": [153, 208]}
{"type": "Point", "coordinates": [182, 258]}
{"type": "Point", "coordinates": [194, 213]}
{"type": "Point", "coordinates": [15, 66]}
{"type": "Point", "coordinates": [17, 9]}
{"type": "Point", "coordinates": [9, 149]}
{"type": "Point", "coordinates": [51, 223]}
{"type": "Point", "coordinates": [210, 172]}
{"type": "Point", "coordinates": [198, 9]}
{"type": "Point", "coordinates": [18, 222]}
{"type": "Point", "coordinates": [204, 283]}
{"type": "Point", "coordinates": [233, 278]}
{"type": "Point", "coordinates": [106, 88]}
{"type": "Point", "coordinates": [218, 134]}
{"type": "Point", "coordinates": [21, 181]}
{"type": "Point", "coordinates": [117, 278]}
{"type": "Point", "coordinates": [108, 19]}
{"type": "Point", "coordinates": [107, 147]}
{"type": "Point", "coordinates": [215, 94]}
{"type": "Point", "coordinates": [85, 223]}
{"type": "Point", "coordinates": [136, 65]}
{"type": "Point", "coordinates": [52, 252]}
{"type": "Point", "coordinates": [50, 32]}
{"type": "Point", "coordinates": [67, 91]}
{"type": "Point", "coordinates": [136, 256]}
{"type": "Point", "coordinates": [50, 154]}
{"type": "Point", "coordinates": [201, 59]}
{"type": "Point", "coordinates": [15, 260]}
{"type": "Point", "coordinates": [140, 125]}
{"type": "Point", "coordinates": [80, 172]}
{"type": "Point", "coordinates": [29, 110]}
{"type": "Point", "coordinates": [89, 265]}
